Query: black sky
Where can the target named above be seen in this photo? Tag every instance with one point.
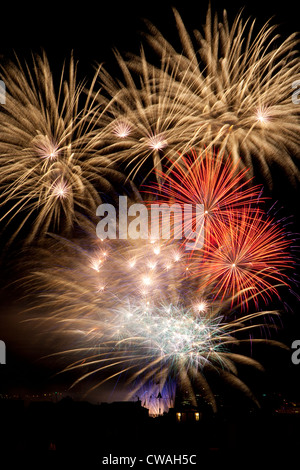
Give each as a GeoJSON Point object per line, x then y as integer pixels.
{"type": "Point", "coordinates": [93, 28]}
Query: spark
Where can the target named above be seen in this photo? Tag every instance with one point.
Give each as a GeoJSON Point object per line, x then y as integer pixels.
{"type": "Point", "coordinates": [96, 264]}
{"type": "Point", "coordinates": [61, 189]}
{"type": "Point", "coordinates": [157, 142]}
{"type": "Point", "coordinates": [122, 129]}
{"type": "Point", "coordinates": [206, 178]}
{"type": "Point", "coordinates": [132, 263]}
{"type": "Point", "coordinates": [201, 306]}
{"type": "Point", "coordinates": [147, 280]}
{"type": "Point", "coordinates": [263, 115]}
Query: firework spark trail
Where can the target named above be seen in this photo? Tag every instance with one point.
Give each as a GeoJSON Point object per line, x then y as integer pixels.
{"type": "Point", "coordinates": [232, 90]}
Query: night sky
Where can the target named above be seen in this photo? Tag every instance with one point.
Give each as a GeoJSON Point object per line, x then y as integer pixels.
{"type": "Point", "coordinates": [92, 30]}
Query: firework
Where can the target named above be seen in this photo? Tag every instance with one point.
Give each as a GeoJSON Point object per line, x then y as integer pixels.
{"type": "Point", "coordinates": [45, 146]}
{"type": "Point", "coordinates": [250, 258]}
{"type": "Point", "coordinates": [229, 88]}
{"type": "Point", "coordinates": [132, 316]}
{"type": "Point", "coordinates": [140, 129]}
{"type": "Point", "coordinates": [160, 343]}
{"type": "Point", "coordinates": [211, 180]}
{"type": "Point", "coordinates": [172, 342]}
{"type": "Point", "coordinates": [244, 250]}
{"type": "Point", "coordinates": [111, 269]}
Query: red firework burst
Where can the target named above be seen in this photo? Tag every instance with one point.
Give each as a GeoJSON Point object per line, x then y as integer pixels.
{"type": "Point", "coordinates": [208, 179]}
{"type": "Point", "coordinates": [245, 253]}
{"type": "Point", "coordinates": [248, 260]}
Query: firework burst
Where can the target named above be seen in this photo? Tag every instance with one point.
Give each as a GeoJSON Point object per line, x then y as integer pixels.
{"type": "Point", "coordinates": [161, 343]}
{"type": "Point", "coordinates": [140, 128]}
{"type": "Point", "coordinates": [45, 146]}
{"type": "Point", "coordinates": [250, 257]}
{"type": "Point", "coordinates": [209, 179]}
{"type": "Point", "coordinates": [244, 251]}
{"type": "Point", "coordinates": [227, 88]}
{"type": "Point", "coordinates": [131, 315]}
